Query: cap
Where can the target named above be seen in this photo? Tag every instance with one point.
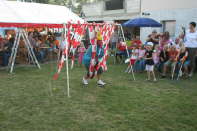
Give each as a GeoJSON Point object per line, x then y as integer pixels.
{"type": "Point", "coordinates": [150, 44]}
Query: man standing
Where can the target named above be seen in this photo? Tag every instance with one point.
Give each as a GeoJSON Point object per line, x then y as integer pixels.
{"type": "Point", "coordinates": [154, 38]}
{"type": "Point", "coordinates": [191, 45]}
{"type": "Point", "coordinates": [114, 40]}
{"type": "Point", "coordinates": [87, 62]}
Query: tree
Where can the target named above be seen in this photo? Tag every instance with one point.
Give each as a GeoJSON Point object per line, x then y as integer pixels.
{"type": "Point", "coordinates": [59, 2]}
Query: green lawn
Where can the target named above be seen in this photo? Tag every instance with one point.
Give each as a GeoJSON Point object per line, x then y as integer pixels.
{"type": "Point", "coordinates": [30, 100]}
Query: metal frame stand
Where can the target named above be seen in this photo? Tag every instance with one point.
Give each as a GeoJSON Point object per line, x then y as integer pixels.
{"type": "Point", "coordinates": [21, 33]}
{"type": "Point", "coordinates": [128, 55]}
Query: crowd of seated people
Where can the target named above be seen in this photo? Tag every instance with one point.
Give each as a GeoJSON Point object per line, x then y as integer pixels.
{"type": "Point", "coordinates": [5, 49]}
{"type": "Point", "coordinates": [43, 46]}
{"type": "Point", "coordinates": [175, 57]}
{"type": "Point", "coordinates": [123, 49]}
{"type": "Point", "coordinates": [168, 56]}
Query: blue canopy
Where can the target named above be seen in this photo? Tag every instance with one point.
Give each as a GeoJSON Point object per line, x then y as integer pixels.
{"type": "Point", "coordinates": [142, 22]}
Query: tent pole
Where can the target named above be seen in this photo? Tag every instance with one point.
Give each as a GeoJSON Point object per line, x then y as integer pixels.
{"type": "Point", "coordinates": [67, 68]}
{"type": "Point", "coordinates": [127, 51]}
{"type": "Point", "coordinates": [67, 73]}
{"type": "Point", "coordinates": [29, 52]}
{"type": "Point", "coordinates": [124, 40]}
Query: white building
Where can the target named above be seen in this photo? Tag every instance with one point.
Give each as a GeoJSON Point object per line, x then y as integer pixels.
{"type": "Point", "coordinates": [173, 14]}
{"type": "Point", "coordinates": [113, 11]}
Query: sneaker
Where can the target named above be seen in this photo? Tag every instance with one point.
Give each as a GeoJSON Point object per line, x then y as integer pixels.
{"type": "Point", "coordinates": [191, 74]}
{"type": "Point", "coordinates": [180, 73]}
{"type": "Point", "coordinates": [84, 81]}
{"type": "Point", "coordinates": [126, 71]}
{"type": "Point", "coordinates": [130, 70]}
{"type": "Point", "coordinates": [155, 80]}
{"type": "Point", "coordinates": [101, 83]}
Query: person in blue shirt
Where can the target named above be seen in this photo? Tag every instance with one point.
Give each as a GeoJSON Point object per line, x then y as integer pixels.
{"type": "Point", "coordinates": [87, 59]}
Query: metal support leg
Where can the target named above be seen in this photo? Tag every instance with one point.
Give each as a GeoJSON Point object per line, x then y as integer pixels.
{"type": "Point", "coordinates": [29, 52]}
{"type": "Point", "coordinates": [30, 49]}
{"type": "Point", "coordinates": [15, 52]}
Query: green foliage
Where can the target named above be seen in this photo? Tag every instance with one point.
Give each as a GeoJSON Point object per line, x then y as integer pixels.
{"type": "Point", "coordinates": [42, 1]}
{"type": "Point", "coordinates": [57, 2]}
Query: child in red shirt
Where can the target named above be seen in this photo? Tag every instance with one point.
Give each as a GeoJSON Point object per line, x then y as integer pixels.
{"type": "Point", "coordinates": [137, 41]}
{"type": "Point", "coordinates": [173, 56]}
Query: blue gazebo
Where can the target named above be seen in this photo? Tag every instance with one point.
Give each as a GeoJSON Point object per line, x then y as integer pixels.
{"type": "Point", "coordinates": [142, 22]}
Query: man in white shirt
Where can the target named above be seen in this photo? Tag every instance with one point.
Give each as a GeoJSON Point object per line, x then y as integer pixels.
{"type": "Point", "coordinates": [191, 45]}
{"type": "Point", "coordinates": [114, 40]}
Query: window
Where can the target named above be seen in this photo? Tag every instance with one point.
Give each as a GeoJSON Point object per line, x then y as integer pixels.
{"type": "Point", "coordinates": [114, 4]}
{"type": "Point", "coordinates": [169, 26]}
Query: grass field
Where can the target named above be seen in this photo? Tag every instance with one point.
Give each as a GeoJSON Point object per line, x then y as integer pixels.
{"type": "Point", "coordinates": [31, 101]}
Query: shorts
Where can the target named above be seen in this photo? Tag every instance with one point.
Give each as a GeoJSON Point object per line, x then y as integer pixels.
{"type": "Point", "coordinates": [185, 64]}
{"type": "Point", "coordinates": [99, 72]}
{"type": "Point", "coordinates": [149, 67]}
{"type": "Point", "coordinates": [170, 63]}
{"type": "Point", "coordinates": [132, 61]}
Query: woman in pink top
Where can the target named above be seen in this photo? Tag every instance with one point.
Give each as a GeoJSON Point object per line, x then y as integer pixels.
{"type": "Point", "coordinates": [81, 51]}
{"type": "Point", "coordinates": [156, 54]}
{"type": "Point", "coordinates": [140, 63]}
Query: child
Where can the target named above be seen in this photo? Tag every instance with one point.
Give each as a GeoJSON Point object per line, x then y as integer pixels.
{"type": "Point", "coordinates": [183, 61]}
{"type": "Point", "coordinates": [173, 55]}
{"type": "Point", "coordinates": [137, 41]}
{"type": "Point", "coordinates": [133, 58]}
{"type": "Point", "coordinates": [163, 57]}
{"type": "Point", "coordinates": [81, 51]}
{"type": "Point", "coordinates": [156, 54]}
{"type": "Point", "coordinates": [149, 61]}
{"type": "Point", "coordinates": [140, 63]}
{"type": "Point", "coordinates": [121, 51]}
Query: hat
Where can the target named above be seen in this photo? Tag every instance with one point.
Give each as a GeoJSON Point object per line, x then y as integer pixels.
{"type": "Point", "coordinates": [154, 31]}
{"type": "Point", "coordinates": [99, 36]}
{"type": "Point", "coordinates": [149, 44]}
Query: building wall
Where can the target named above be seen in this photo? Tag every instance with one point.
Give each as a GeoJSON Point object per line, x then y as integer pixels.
{"type": "Point", "coordinates": [155, 5]}
{"type": "Point", "coordinates": [182, 16]}
{"type": "Point", "coordinates": [132, 6]}
{"type": "Point", "coordinates": [96, 11]}
{"type": "Point", "coordinates": [183, 11]}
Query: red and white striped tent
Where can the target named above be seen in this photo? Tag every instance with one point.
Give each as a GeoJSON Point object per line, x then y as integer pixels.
{"type": "Point", "coordinates": [24, 14]}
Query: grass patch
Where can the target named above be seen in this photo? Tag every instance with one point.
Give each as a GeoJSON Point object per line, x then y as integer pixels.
{"type": "Point", "coordinates": [31, 100]}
